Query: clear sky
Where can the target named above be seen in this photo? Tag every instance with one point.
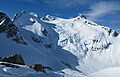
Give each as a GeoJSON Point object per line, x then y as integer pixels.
{"type": "Point", "coordinates": [105, 12]}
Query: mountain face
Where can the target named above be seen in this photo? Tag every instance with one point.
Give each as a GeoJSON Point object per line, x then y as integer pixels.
{"type": "Point", "coordinates": [70, 47]}
{"type": "Point", "coordinates": [89, 42]}
{"type": "Point", "coordinates": [10, 30]}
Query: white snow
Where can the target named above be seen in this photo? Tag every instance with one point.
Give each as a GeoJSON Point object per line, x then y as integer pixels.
{"type": "Point", "coordinates": [2, 21]}
{"type": "Point", "coordinates": [24, 71]}
{"type": "Point", "coordinates": [71, 47]}
{"type": "Point", "coordinates": [108, 72]}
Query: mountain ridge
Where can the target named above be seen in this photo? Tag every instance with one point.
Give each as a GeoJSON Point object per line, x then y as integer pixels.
{"type": "Point", "coordinates": [74, 45]}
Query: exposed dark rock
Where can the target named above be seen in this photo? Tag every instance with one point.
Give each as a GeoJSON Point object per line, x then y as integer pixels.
{"type": "Point", "coordinates": [83, 16]}
{"type": "Point", "coordinates": [45, 32]}
{"type": "Point", "coordinates": [109, 31]}
{"type": "Point", "coordinates": [10, 30]}
{"type": "Point", "coordinates": [16, 59]}
{"type": "Point", "coordinates": [37, 40]}
{"type": "Point", "coordinates": [67, 65]}
{"type": "Point", "coordinates": [85, 21]}
{"type": "Point", "coordinates": [9, 65]}
{"type": "Point", "coordinates": [115, 34]}
{"type": "Point", "coordinates": [39, 67]}
{"type": "Point", "coordinates": [18, 15]}
{"type": "Point", "coordinates": [48, 18]}
{"type": "Point", "coordinates": [48, 45]}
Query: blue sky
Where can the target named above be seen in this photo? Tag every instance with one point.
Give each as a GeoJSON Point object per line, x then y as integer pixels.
{"type": "Point", "coordinates": [105, 12]}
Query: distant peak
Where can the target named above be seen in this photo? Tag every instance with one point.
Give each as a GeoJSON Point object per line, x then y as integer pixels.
{"type": "Point", "coordinates": [20, 14]}
{"type": "Point", "coordinates": [23, 11]}
{"type": "Point", "coordinates": [81, 16]}
{"type": "Point", "coordinates": [34, 14]}
{"type": "Point", "coordinates": [48, 18]}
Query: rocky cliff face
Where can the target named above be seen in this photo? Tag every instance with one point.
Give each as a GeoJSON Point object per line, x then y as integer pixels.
{"type": "Point", "coordinates": [10, 30]}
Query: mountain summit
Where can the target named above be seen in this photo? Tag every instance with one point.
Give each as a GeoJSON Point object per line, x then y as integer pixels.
{"type": "Point", "coordinates": [74, 47]}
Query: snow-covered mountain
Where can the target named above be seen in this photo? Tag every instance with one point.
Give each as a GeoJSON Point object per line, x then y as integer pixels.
{"type": "Point", "coordinates": [72, 47]}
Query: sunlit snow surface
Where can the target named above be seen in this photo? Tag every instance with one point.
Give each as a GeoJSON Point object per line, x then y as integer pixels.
{"type": "Point", "coordinates": [109, 72]}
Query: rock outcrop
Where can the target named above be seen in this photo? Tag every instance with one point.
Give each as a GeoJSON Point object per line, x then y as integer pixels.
{"type": "Point", "coordinates": [15, 59]}
{"type": "Point", "coordinates": [10, 30]}
{"type": "Point", "coordinates": [39, 67]}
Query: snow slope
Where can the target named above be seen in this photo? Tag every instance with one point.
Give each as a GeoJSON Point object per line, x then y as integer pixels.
{"type": "Point", "coordinates": [24, 71]}
{"type": "Point", "coordinates": [74, 47]}
{"type": "Point", "coordinates": [95, 46]}
{"type": "Point", "coordinates": [47, 37]}
{"type": "Point", "coordinates": [109, 72]}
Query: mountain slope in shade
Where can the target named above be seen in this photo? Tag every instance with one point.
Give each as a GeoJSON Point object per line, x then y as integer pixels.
{"type": "Point", "coordinates": [10, 30]}
{"type": "Point", "coordinates": [73, 47]}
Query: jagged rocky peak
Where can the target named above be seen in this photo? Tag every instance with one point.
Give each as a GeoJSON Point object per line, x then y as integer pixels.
{"type": "Point", "coordinates": [48, 18]}
{"type": "Point", "coordinates": [24, 18]}
{"type": "Point", "coordinates": [17, 15]}
{"type": "Point", "coordinates": [15, 58]}
{"type": "Point", "coordinates": [34, 14]}
{"type": "Point", "coordinates": [110, 31]}
{"type": "Point", "coordinates": [10, 30]}
{"type": "Point", "coordinates": [24, 13]}
{"type": "Point", "coordinates": [80, 16]}
{"type": "Point", "coordinates": [32, 20]}
{"type": "Point", "coordinates": [2, 15]}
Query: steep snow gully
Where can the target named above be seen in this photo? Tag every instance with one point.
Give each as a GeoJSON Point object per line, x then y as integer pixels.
{"type": "Point", "coordinates": [74, 47]}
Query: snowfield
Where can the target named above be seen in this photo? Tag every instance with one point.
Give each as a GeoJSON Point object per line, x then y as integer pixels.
{"type": "Point", "coordinates": [74, 47]}
{"type": "Point", "coordinates": [108, 72]}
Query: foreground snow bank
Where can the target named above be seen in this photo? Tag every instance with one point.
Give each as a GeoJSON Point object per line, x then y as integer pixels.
{"type": "Point", "coordinates": [109, 72]}
{"type": "Point", "coordinates": [25, 71]}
